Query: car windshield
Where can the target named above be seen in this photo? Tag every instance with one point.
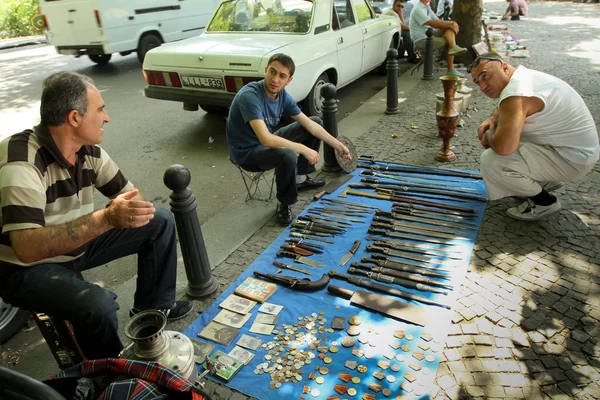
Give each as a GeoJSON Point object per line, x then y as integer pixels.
{"type": "Point", "coordinates": [288, 16]}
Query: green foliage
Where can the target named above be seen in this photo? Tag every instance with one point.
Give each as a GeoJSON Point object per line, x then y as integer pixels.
{"type": "Point", "coordinates": [15, 16]}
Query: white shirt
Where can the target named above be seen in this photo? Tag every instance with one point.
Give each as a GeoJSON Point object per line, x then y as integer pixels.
{"type": "Point", "coordinates": [420, 14]}
{"type": "Point", "coordinates": [565, 123]}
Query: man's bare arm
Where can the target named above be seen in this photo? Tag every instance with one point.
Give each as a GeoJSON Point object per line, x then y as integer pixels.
{"type": "Point", "coordinates": [319, 132]}
{"type": "Point", "coordinates": [505, 139]}
{"type": "Point", "coordinates": [270, 140]}
{"type": "Point", "coordinates": [56, 240]}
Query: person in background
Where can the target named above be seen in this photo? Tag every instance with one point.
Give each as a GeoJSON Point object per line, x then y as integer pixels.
{"type": "Point", "coordinates": [407, 43]}
{"type": "Point", "coordinates": [441, 7]}
{"type": "Point", "coordinates": [515, 10]}
{"type": "Point", "coordinates": [540, 135]}
{"type": "Point", "coordinates": [422, 18]}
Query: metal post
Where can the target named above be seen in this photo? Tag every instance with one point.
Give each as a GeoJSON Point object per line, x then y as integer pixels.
{"type": "Point", "coordinates": [329, 91]}
{"type": "Point", "coordinates": [428, 63]}
{"type": "Point", "coordinates": [392, 81]}
{"type": "Point", "coordinates": [201, 282]}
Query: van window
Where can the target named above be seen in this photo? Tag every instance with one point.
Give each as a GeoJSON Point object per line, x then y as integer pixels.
{"type": "Point", "coordinates": [285, 16]}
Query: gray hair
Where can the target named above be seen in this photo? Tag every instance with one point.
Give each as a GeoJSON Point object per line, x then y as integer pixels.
{"type": "Point", "coordinates": [63, 92]}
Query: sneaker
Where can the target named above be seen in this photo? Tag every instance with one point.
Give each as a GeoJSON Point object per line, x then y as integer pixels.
{"type": "Point", "coordinates": [529, 211]}
{"type": "Point", "coordinates": [310, 183]}
{"type": "Point", "coordinates": [456, 50]}
{"type": "Point", "coordinates": [455, 73]}
{"type": "Point", "coordinates": [284, 214]}
{"type": "Point", "coordinates": [181, 309]}
{"type": "Point", "coordinates": [551, 186]}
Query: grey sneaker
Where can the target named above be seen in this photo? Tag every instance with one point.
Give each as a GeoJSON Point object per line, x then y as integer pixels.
{"type": "Point", "coordinates": [529, 211]}
{"type": "Point", "coordinates": [456, 50]}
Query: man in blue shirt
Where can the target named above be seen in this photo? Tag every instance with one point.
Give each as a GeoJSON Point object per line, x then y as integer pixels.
{"type": "Point", "coordinates": [293, 151]}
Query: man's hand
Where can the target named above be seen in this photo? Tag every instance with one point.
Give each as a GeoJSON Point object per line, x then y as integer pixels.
{"type": "Point", "coordinates": [311, 155]}
{"type": "Point", "coordinates": [343, 151]}
{"type": "Point", "coordinates": [485, 138]}
{"type": "Point", "coordinates": [454, 26]}
{"type": "Point", "coordinates": [124, 212]}
{"type": "Point", "coordinates": [489, 123]}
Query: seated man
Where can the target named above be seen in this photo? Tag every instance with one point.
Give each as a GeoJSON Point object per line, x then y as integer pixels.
{"type": "Point", "coordinates": [443, 7]}
{"type": "Point", "coordinates": [515, 10]}
{"type": "Point", "coordinates": [421, 19]}
{"type": "Point", "coordinates": [255, 112]}
{"type": "Point", "coordinates": [50, 230]}
{"type": "Point", "coordinates": [541, 134]}
{"type": "Point", "coordinates": [407, 43]}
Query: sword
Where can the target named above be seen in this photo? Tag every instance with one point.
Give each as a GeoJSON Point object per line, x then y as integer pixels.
{"type": "Point", "coordinates": [398, 266]}
{"type": "Point", "coordinates": [413, 248]}
{"type": "Point", "coordinates": [396, 191]}
{"type": "Point", "coordinates": [403, 275]}
{"type": "Point", "coordinates": [420, 225]}
{"type": "Point", "coordinates": [367, 283]}
{"type": "Point", "coordinates": [416, 179]}
{"type": "Point", "coordinates": [416, 231]}
{"type": "Point", "coordinates": [323, 222]}
{"type": "Point", "coordinates": [335, 210]}
{"type": "Point", "coordinates": [459, 189]}
{"type": "Point", "coordinates": [418, 209]}
{"type": "Point", "coordinates": [324, 214]}
{"type": "Point", "coordinates": [397, 281]}
{"type": "Point", "coordinates": [348, 191]}
{"type": "Point", "coordinates": [383, 250]}
{"type": "Point", "coordinates": [420, 170]}
{"type": "Point", "coordinates": [409, 236]}
{"type": "Point", "coordinates": [349, 204]}
{"type": "Point", "coordinates": [433, 220]}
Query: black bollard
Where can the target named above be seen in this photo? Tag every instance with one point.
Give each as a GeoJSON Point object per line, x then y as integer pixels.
{"type": "Point", "coordinates": [392, 81]}
{"type": "Point", "coordinates": [329, 91]}
{"type": "Point", "coordinates": [428, 63]}
{"type": "Point", "coordinates": [201, 282]}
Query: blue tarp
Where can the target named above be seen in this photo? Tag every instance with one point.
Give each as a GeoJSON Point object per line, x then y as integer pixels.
{"type": "Point", "coordinates": [377, 329]}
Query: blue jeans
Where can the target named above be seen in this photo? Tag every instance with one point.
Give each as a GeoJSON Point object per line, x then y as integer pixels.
{"type": "Point", "coordinates": [54, 288]}
{"type": "Point", "coordinates": [407, 44]}
{"type": "Point", "coordinates": [286, 162]}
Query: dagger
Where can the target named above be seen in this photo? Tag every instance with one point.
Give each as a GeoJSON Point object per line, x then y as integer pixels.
{"type": "Point", "coordinates": [416, 231]}
{"type": "Point", "coordinates": [413, 248]}
{"type": "Point", "coordinates": [310, 237]}
{"type": "Point", "coordinates": [401, 235]}
{"type": "Point", "coordinates": [415, 179]}
{"type": "Point", "coordinates": [299, 258]}
{"type": "Point", "coordinates": [398, 266]}
{"type": "Point", "coordinates": [346, 257]}
{"type": "Point", "coordinates": [296, 249]}
{"type": "Point", "coordinates": [374, 248]}
{"type": "Point", "coordinates": [291, 267]}
{"type": "Point", "coordinates": [420, 170]}
{"type": "Point", "coordinates": [419, 225]}
{"type": "Point", "coordinates": [397, 281]}
{"type": "Point", "coordinates": [433, 220]}
{"type": "Point", "coordinates": [402, 275]}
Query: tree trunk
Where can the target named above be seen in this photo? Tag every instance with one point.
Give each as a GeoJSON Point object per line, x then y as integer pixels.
{"type": "Point", "coordinates": [467, 13]}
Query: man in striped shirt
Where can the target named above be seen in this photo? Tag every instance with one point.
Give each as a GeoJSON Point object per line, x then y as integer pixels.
{"type": "Point", "coordinates": [51, 232]}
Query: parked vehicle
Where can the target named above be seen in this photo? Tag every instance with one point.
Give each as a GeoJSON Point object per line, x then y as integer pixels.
{"type": "Point", "coordinates": [381, 6]}
{"type": "Point", "coordinates": [12, 320]}
{"type": "Point", "coordinates": [329, 40]}
{"type": "Point", "coordinates": [99, 28]}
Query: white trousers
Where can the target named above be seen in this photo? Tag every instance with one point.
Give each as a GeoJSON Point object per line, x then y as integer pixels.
{"type": "Point", "coordinates": [523, 172]}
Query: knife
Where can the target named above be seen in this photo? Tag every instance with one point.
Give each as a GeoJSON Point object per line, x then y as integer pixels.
{"type": "Point", "coordinates": [291, 267]}
{"type": "Point", "coordinates": [300, 259]}
{"type": "Point", "coordinates": [392, 308]}
{"type": "Point", "coordinates": [346, 257]}
{"type": "Point", "coordinates": [297, 249]}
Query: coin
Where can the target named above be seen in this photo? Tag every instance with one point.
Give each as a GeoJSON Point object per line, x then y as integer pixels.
{"type": "Point", "coordinates": [320, 380]}
{"type": "Point", "coordinates": [355, 320]}
{"type": "Point", "coordinates": [362, 369]}
{"type": "Point", "coordinates": [355, 380]}
{"type": "Point", "coordinates": [334, 349]}
{"type": "Point", "coordinates": [353, 330]}
{"type": "Point", "coordinates": [327, 360]}
{"type": "Point", "coordinates": [324, 370]}
{"type": "Point", "coordinates": [348, 341]}
{"type": "Point", "coordinates": [390, 378]}
{"type": "Point", "coordinates": [351, 392]}
{"type": "Point", "coordinates": [430, 358]}
{"type": "Point", "coordinates": [405, 348]}
{"type": "Point", "coordinates": [395, 367]}
{"type": "Point", "coordinates": [409, 337]}
{"type": "Point", "coordinates": [386, 392]}
{"type": "Point", "coordinates": [315, 392]}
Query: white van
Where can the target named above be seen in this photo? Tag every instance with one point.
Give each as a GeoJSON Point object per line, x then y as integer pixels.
{"type": "Point", "coordinates": [100, 28]}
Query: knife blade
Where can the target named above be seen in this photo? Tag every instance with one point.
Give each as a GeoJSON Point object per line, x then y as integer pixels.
{"type": "Point", "coordinates": [299, 259]}
{"type": "Point", "coordinates": [391, 307]}
{"type": "Point", "coordinates": [291, 267]}
{"type": "Point", "coordinates": [346, 257]}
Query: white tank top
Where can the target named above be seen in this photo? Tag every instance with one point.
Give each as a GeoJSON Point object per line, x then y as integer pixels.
{"type": "Point", "coordinates": [565, 123]}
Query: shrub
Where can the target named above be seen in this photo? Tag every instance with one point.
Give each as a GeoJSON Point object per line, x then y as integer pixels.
{"type": "Point", "coordinates": [15, 17]}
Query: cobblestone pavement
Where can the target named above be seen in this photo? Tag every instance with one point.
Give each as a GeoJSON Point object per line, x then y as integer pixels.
{"type": "Point", "coordinates": [527, 320]}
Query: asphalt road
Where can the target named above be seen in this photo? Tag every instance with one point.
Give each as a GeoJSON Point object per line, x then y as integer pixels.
{"type": "Point", "coordinates": [145, 136]}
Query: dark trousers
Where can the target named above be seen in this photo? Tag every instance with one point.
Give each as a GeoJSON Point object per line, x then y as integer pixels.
{"type": "Point", "coordinates": [515, 17]}
{"type": "Point", "coordinates": [55, 290]}
{"type": "Point", "coordinates": [407, 45]}
{"type": "Point", "coordinates": [286, 162]}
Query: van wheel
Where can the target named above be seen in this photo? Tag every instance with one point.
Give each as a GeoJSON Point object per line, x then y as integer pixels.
{"type": "Point", "coordinates": [100, 59]}
{"type": "Point", "coordinates": [313, 104]}
{"type": "Point", "coordinates": [147, 43]}
{"type": "Point", "coordinates": [217, 110]}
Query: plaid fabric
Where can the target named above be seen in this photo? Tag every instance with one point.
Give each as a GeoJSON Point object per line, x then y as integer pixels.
{"type": "Point", "coordinates": [149, 380]}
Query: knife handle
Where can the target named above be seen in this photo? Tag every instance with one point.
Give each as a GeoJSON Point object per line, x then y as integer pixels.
{"type": "Point", "coordinates": [279, 264]}
{"type": "Point", "coordinates": [355, 246]}
{"type": "Point", "coordinates": [340, 292]}
{"type": "Point", "coordinates": [282, 253]}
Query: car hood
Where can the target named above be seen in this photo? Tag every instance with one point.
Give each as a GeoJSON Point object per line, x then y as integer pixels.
{"type": "Point", "coordinates": [218, 51]}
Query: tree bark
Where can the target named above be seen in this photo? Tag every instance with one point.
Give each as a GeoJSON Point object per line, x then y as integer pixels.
{"type": "Point", "coordinates": [467, 13]}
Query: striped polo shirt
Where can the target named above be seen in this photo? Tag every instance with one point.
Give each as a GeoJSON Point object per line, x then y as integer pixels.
{"type": "Point", "coordinates": [39, 187]}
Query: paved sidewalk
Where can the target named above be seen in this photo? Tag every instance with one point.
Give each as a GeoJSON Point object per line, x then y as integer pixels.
{"type": "Point", "coordinates": [22, 41]}
{"type": "Point", "coordinates": [526, 323]}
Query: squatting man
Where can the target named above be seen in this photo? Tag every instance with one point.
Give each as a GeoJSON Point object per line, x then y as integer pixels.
{"type": "Point", "coordinates": [256, 145]}
{"type": "Point", "coordinates": [540, 135]}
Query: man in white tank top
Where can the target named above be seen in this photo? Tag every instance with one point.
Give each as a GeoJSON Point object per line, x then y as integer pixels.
{"type": "Point", "coordinates": [540, 135]}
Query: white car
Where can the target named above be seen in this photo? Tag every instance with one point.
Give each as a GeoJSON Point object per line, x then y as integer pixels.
{"type": "Point", "coordinates": [333, 41]}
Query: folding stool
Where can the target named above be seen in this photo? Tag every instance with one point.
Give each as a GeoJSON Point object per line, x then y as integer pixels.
{"type": "Point", "coordinates": [252, 182]}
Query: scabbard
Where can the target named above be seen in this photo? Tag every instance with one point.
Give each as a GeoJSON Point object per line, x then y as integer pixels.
{"type": "Point", "coordinates": [451, 191]}
{"type": "Point", "coordinates": [366, 283]}
{"type": "Point", "coordinates": [419, 225]}
{"type": "Point", "coordinates": [420, 170]}
{"type": "Point", "coordinates": [397, 281]}
{"type": "Point", "coordinates": [419, 231]}
{"type": "Point", "coordinates": [427, 203]}
{"type": "Point", "coordinates": [427, 219]}
{"type": "Point", "coordinates": [414, 248]}
{"type": "Point", "coordinates": [412, 208]}
{"type": "Point", "coordinates": [312, 227]}
{"type": "Point", "coordinates": [400, 274]}
{"type": "Point", "coordinates": [398, 266]}
{"type": "Point", "coordinates": [409, 236]}
{"type": "Point", "coordinates": [411, 179]}
{"type": "Point", "coordinates": [373, 248]}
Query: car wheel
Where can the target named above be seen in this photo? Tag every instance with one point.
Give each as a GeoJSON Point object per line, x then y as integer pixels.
{"type": "Point", "coordinates": [12, 320]}
{"type": "Point", "coordinates": [313, 104]}
{"type": "Point", "coordinates": [100, 59]}
{"type": "Point", "coordinates": [218, 110]}
{"type": "Point", "coordinates": [147, 43]}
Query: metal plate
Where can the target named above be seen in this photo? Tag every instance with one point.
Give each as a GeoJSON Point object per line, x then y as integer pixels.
{"type": "Point", "coordinates": [347, 165]}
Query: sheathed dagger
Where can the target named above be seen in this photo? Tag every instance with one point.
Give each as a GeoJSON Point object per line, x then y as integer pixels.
{"type": "Point", "coordinates": [399, 266]}
{"type": "Point", "coordinates": [396, 281]}
{"type": "Point", "coordinates": [403, 275]}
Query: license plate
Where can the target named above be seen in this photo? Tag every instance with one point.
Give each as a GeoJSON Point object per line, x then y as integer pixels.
{"type": "Point", "coordinates": [203, 82]}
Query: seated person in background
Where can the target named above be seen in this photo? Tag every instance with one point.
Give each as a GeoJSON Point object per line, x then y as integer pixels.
{"type": "Point", "coordinates": [422, 18]}
{"type": "Point", "coordinates": [293, 150]}
{"type": "Point", "coordinates": [50, 231]}
{"type": "Point", "coordinates": [441, 8]}
{"type": "Point", "coordinates": [515, 9]}
{"type": "Point", "coordinates": [407, 43]}
{"type": "Point", "coordinates": [541, 134]}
